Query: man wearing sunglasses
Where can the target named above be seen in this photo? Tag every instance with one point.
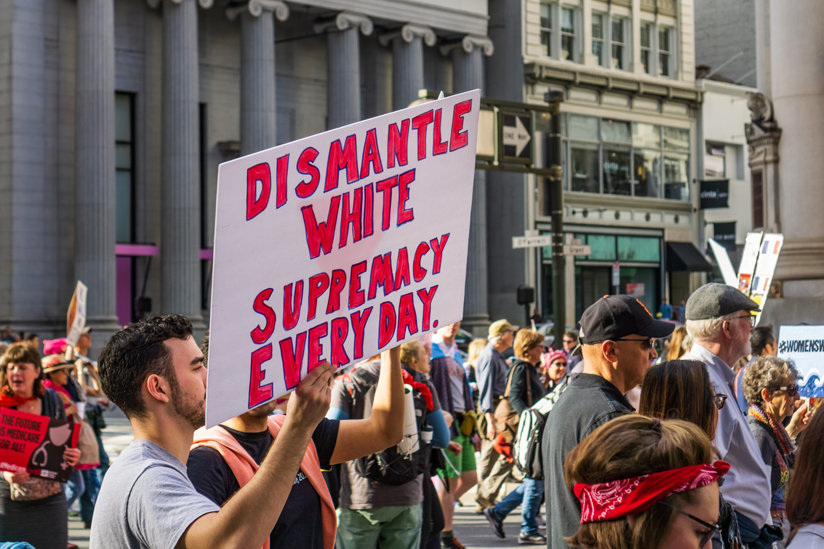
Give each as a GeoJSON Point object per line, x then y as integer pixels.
{"type": "Point", "coordinates": [720, 320]}
{"type": "Point", "coordinates": [617, 335]}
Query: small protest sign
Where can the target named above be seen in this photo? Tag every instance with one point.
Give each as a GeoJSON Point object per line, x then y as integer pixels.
{"type": "Point", "coordinates": [76, 315]}
{"type": "Point", "coordinates": [768, 252]}
{"type": "Point", "coordinates": [804, 346]}
{"type": "Point", "coordinates": [34, 443]}
{"type": "Point", "coordinates": [338, 246]}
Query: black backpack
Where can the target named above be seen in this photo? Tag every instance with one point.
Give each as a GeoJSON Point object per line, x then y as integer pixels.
{"type": "Point", "coordinates": [389, 466]}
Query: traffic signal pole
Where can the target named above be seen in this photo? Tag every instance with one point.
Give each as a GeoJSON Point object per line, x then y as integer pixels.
{"type": "Point", "coordinates": [556, 206]}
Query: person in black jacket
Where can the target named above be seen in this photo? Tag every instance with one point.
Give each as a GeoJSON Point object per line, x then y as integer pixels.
{"type": "Point", "coordinates": [525, 388]}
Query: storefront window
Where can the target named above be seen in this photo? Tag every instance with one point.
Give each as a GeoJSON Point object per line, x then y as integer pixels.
{"type": "Point", "coordinates": [676, 176]}
{"type": "Point", "coordinates": [616, 131]}
{"type": "Point", "coordinates": [617, 171]}
{"type": "Point", "coordinates": [647, 173]}
{"type": "Point", "coordinates": [584, 167]}
{"type": "Point", "coordinates": [603, 246]}
{"type": "Point", "coordinates": [639, 248]}
{"type": "Point", "coordinates": [583, 127]}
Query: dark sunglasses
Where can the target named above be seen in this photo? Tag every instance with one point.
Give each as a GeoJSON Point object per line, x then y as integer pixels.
{"type": "Point", "coordinates": [706, 536]}
{"type": "Point", "coordinates": [719, 399]}
{"type": "Point", "coordinates": [569, 341]}
{"type": "Point", "coordinates": [789, 389]}
{"type": "Point", "coordinates": [646, 342]}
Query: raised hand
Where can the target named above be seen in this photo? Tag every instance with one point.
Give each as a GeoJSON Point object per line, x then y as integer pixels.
{"type": "Point", "coordinates": [310, 401]}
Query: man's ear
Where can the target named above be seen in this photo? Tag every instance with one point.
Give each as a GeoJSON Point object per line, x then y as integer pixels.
{"type": "Point", "coordinates": [158, 388]}
{"type": "Point", "coordinates": [610, 351]}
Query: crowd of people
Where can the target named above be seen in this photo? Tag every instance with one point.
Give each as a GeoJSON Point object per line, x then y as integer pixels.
{"type": "Point", "coordinates": [706, 445]}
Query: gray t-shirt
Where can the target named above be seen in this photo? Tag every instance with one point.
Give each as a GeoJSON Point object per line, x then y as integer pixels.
{"type": "Point", "coordinates": [146, 500]}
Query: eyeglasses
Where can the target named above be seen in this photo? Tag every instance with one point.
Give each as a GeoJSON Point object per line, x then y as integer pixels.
{"type": "Point", "coordinates": [789, 389]}
{"type": "Point", "coordinates": [569, 341]}
{"type": "Point", "coordinates": [706, 536]}
{"type": "Point", "coordinates": [719, 399]}
{"type": "Point", "coordinates": [646, 343]}
{"type": "Point", "coordinates": [751, 317]}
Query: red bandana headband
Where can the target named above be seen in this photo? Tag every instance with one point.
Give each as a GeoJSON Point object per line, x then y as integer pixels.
{"type": "Point", "coordinates": [629, 496]}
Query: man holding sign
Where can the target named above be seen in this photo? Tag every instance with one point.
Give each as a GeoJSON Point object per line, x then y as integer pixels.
{"type": "Point", "coordinates": [224, 458]}
{"type": "Point", "coordinates": [154, 371]}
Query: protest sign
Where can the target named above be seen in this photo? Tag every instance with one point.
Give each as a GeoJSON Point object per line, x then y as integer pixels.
{"type": "Point", "coordinates": [724, 263]}
{"type": "Point", "coordinates": [765, 267]}
{"type": "Point", "coordinates": [338, 246]}
{"type": "Point", "coordinates": [804, 346]}
{"type": "Point", "coordinates": [749, 258]}
{"type": "Point", "coordinates": [34, 443]}
{"type": "Point", "coordinates": [76, 315]}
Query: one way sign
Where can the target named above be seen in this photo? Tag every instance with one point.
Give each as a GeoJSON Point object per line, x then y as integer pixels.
{"type": "Point", "coordinates": [516, 136]}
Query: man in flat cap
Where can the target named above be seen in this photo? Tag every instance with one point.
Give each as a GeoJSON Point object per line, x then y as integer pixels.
{"type": "Point", "coordinates": [616, 337]}
{"type": "Point", "coordinates": [720, 320]}
{"type": "Point", "coordinates": [492, 370]}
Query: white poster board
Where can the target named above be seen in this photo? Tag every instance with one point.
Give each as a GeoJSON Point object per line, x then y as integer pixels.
{"type": "Point", "coordinates": [722, 258]}
{"type": "Point", "coordinates": [338, 246]}
{"type": "Point", "coordinates": [76, 315]}
{"type": "Point", "coordinates": [749, 258]}
{"type": "Point", "coordinates": [804, 346]}
{"type": "Point", "coordinates": [767, 259]}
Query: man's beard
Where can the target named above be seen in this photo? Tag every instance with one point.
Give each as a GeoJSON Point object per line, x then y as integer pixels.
{"type": "Point", "coordinates": [193, 413]}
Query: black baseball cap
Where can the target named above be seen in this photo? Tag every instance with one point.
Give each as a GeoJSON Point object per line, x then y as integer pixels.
{"type": "Point", "coordinates": [616, 316]}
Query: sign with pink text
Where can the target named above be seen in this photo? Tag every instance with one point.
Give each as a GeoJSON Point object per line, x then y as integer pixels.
{"type": "Point", "coordinates": [338, 246]}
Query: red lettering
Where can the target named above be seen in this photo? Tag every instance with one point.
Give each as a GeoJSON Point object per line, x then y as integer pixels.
{"type": "Point", "coordinates": [256, 203]}
{"type": "Point", "coordinates": [282, 175]}
{"type": "Point", "coordinates": [316, 333]}
{"type": "Point", "coordinates": [340, 329]}
{"type": "Point", "coordinates": [356, 297]}
{"type": "Point", "coordinates": [305, 189]}
{"type": "Point", "coordinates": [438, 247]}
{"type": "Point", "coordinates": [426, 297]}
{"type": "Point", "coordinates": [406, 316]}
{"type": "Point", "coordinates": [318, 284]}
{"type": "Point", "coordinates": [368, 210]}
{"type": "Point", "coordinates": [339, 159]}
{"type": "Point", "coordinates": [382, 187]}
{"type": "Point", "coordinates": [351, 216]}
{"type": "Point", "coordinates": [381, 274]}
{"type": "Point", "coordinates": [420, 124]}
{"type": "Point", "coordinates": [459, 138]}
{"type": "Point", "coordinates": [370, 155]}
{"type": "Point", "coordinates": [405, 215]}
{"type": "Point", "coordinates": [402, 269]}
{"type": "Point", "coordinates": [262, 333]}
{"type": "Point", "coordinates": [335, 288]}
{"type": "Point", "coordinates": [386, 326]}
{"type": "Point", "coordinates": [258, 394]}
{"type": "Point", "coordinates": [291, 305]}
{"type": "Point", "coordinates": [319, 236]}
{"type": "Point", "coordinates": [397, 144]}
{"type": "Point", "coordinates": [418, 272]}
{"type": "Point", "coordinates": [438, 145]}
{"type": "Point", "coordinates": [292, 359]}
{"type": "Point", "coordinates": [359, 320]}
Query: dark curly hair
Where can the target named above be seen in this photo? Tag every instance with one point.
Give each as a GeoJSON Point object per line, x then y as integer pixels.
{"type": "Point", "coordinates": [134, 353]}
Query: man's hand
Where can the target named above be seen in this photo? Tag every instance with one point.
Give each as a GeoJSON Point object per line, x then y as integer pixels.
{"type": "Point", "coordinates": [491, 430]}
{"type": "Point", "coordinates": [19, 478]}
{"type": "Point", "coordinates": [310, 401]}
{"type": "Point", "coordinates": [455, 447]}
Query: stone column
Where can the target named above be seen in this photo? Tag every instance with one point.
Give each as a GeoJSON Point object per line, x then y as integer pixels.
{"type": "Point", "coordinates": [258, 129]}
{"type": "Point", "coordinates": [407, 61]}
{"type": "Point", "coordinates": [94, 161]}
{"type": "Point", "coordinates": [180, 168]}
{"type": "Point", "coordinates": [798, 101]}
{"type": "Point", "coordinates": [468, 74]}
{"type": "Point", "coordinates": [343, 96]}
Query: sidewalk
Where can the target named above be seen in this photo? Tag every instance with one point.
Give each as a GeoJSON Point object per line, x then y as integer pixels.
{"type": "Point", "coordinates": [471, 529]}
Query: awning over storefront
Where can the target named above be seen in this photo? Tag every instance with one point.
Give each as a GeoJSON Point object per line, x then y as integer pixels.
{"type": "Point", "coordinates": [684, 256]}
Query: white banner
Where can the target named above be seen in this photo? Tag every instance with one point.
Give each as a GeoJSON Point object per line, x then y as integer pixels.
{"type": "Point", "coordinates": [76, 315]}
{"type": "Point", "coordinates": [338, 246]}
{"type": "Point", "coordinates": [804, 345]}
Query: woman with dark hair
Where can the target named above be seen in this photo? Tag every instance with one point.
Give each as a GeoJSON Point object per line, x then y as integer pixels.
{"type": "Point", "coordinates": [43, 522]}
{"type": "Point", "coordinates": [805, 495]}
{"type": "Point", "coordinates": [771, 389]}
{"type": "Point", "coordinates": [681, 389]}
{"type": "Point", "coordinates": [645, 483]}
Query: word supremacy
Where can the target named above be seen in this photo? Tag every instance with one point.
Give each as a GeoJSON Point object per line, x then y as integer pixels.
{"type": "Point", "coordinates": [353, 214]}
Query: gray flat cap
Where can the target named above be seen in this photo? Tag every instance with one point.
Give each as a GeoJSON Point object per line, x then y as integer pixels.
{"type": "Point", "coordinates": [715, 300]}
